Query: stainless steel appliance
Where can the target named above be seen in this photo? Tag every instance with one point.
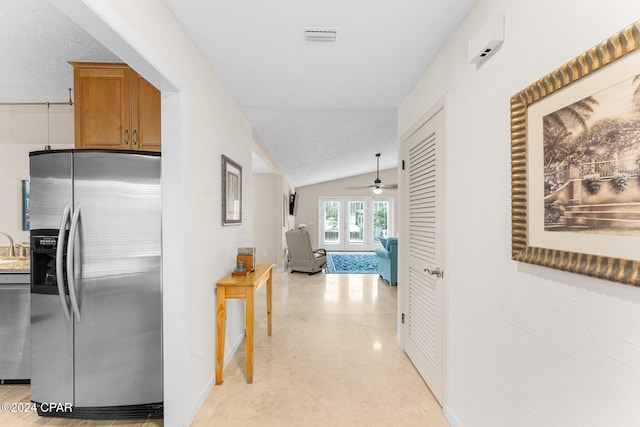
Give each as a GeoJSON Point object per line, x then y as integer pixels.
{"type": "Point", "coordinates": [14, 327]}
{"type": "Point", "coordinates": [96, 295]}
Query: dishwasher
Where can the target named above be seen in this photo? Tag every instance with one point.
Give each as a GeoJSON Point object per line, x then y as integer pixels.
{"type": "Point", "coordinates": [15, 357]}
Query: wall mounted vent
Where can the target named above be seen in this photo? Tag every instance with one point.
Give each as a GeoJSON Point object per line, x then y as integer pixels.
{"type": "Point", "coordinates": [320, 35]}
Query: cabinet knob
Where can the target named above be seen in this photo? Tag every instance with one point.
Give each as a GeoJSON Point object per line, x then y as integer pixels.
{"type": "Point", "coordinates": [126, 137]}
{"type": "Point", "coordinates": [134, 137]}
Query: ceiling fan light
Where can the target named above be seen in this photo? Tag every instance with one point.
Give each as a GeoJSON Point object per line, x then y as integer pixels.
{"type": "Point", "coordinates": [377, 190]}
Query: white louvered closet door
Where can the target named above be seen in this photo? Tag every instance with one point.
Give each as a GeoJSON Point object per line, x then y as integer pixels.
{"type": "Point", "coordinates": [424, 298]}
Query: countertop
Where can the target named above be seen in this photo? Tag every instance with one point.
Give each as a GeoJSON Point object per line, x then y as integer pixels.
{"type": "Point", "coordinates": [14, 265]}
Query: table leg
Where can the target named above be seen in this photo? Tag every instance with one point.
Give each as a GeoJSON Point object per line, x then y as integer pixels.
{"type": "Point", "coordinates": [221, 317]}
{"type": "Point", "coordinates": [269, 291]}
{"type": "Point", "coordinates": [249, 333]}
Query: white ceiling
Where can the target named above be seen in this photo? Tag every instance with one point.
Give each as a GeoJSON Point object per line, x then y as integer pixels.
{"type": "Point", "coordinates": [37, 41]}
{"type": "Point", "coordinates": [322, 110]}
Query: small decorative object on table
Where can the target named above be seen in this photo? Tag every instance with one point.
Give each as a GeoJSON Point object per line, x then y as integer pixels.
{"type": "Point", "coordinates": [241, 269]}
{"type": "Point", "coordinates": [248, 255]}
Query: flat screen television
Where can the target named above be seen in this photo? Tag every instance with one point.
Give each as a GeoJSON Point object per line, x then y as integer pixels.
{"type": "Point", "coordinates": [293, 204]}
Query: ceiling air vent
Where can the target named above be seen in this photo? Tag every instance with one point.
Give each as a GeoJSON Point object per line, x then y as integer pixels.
{"type": "Point", "coordinates": [322, 35]}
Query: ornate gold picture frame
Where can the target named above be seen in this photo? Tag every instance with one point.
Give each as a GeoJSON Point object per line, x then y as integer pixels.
{"type": "Point", "coordinates": [543, 233]}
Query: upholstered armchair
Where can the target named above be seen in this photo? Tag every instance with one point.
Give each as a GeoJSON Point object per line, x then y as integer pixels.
{"type": "Point", "coordinates": [302, 257]}
{"type": "Point", "coordinates": [388, 260]}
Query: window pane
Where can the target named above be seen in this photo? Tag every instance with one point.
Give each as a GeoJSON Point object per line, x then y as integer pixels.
{"type": "Point", "coordinates": [356, 221]}
{"type": "Point", "coordinates": [380, 219]}
{"type": "Point", "coordinates": [332, 221]}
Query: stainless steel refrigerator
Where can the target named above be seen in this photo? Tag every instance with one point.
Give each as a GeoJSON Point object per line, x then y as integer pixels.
{"type": "Point", "coordinates": [96, 293]}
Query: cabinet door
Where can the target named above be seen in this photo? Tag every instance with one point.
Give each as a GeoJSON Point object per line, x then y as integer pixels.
{"type": "Point", "coordinates": [102, 108]}
{"type": "Point", "coordinates": [145, 117]}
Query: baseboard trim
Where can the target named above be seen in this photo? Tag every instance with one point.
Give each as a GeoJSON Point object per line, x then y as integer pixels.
{"type": "Point", "coordinates": [451, 417]}
{"type": "Point", "coordinates": [212, 381]}
{"type": "Point", "coordinates": [202, 397]}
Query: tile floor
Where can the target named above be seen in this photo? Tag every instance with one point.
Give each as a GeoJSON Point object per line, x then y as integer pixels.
{"type": "Point", "coordinates": [333, 360]}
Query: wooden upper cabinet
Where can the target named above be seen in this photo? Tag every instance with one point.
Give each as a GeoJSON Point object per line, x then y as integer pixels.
{"type": "Point", "coordinates": [147, 113]}
{"type": "Point", "coordinates": [115, 108]}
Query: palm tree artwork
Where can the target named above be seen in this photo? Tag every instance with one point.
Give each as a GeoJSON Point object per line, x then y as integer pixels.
{"type": "Point", "coordinates": [559, 127]}
{"type": "Point", "coordinates": [591, 159]}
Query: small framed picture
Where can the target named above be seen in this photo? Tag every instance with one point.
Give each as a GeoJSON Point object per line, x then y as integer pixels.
{"type": "Point", "coordinates": [231, 192]}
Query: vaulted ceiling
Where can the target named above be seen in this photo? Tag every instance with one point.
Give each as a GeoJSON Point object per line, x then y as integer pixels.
{"type": "Point", "coordinates": [322, 109]}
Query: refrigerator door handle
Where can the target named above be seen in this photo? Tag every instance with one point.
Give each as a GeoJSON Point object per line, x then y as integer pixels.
{"type": "Point", "coordinates": [70, 271]}
{"type": "Point", "coordinates": [59, 263]}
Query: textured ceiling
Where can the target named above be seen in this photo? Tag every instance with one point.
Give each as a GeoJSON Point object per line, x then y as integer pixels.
{"type": "Point", "coordinates": [321, 144]}
{"type": "Point", "coordinates": [36, 41]}
{"type": "Point", "coordinates": [322, 110]}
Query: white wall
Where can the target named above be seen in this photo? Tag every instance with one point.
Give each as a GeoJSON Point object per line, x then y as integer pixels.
{"type": "Point", "coordinates": [307, 197]}
{"type": "Point", "coordinates": [269, 224]}
{"type": "Point", "coordinates": [24, 129]}
{"type": "Point", "coordinates": [265, 197]}
{"type": "Point", "coordinates": [269, 234]}
{"type": "Point", "coordinates": [529, 346]}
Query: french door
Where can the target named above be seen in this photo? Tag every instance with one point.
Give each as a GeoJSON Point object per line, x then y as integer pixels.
{"type": "Point", "coordinates": [354, 223]}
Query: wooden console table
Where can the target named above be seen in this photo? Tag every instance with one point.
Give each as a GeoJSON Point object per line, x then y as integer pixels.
{"type": "Point", "coordinates": [243, 287]}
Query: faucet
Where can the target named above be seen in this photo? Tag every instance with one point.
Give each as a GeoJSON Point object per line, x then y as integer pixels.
{"type": "Point", "coordinates": [12, 251]}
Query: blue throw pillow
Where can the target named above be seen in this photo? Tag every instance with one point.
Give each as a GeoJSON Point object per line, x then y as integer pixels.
{"type": "Point", "coordinates": [383, 242]}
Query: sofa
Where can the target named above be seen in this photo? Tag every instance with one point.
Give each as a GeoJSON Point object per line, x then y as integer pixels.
{"type": "Point", "coordinates": [388, 260]}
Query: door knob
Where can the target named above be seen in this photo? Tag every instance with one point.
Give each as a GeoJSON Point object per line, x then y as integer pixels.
{"type": "Point", "coordinates": [437, 272]}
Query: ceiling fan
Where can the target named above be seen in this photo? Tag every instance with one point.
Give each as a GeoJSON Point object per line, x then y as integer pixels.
{"type": "Point", "coordinates": [377, 184]}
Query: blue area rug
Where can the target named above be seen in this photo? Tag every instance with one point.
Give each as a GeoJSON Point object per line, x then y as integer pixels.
{"type": "Point", "coordinates": [351, 262]}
